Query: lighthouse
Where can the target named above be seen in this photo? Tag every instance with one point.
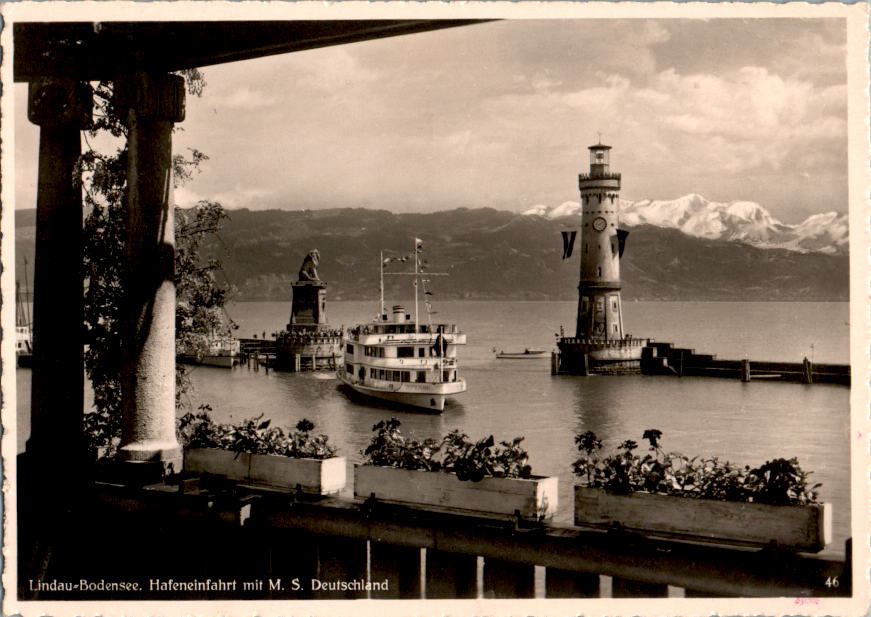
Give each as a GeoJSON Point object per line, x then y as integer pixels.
{"type": "Point", "coordinates": [600, 344]}
{"type": "Point", "coordinates": [600, 314]}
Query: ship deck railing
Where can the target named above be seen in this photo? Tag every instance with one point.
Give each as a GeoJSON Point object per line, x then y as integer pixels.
{"type": "Point", "coordinates": [406, 387]}
{"type": "Point", "coordinates": [380, 328]}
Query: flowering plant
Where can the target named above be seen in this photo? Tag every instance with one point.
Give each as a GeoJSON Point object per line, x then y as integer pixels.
{"type": "Point", "coordinates": [777, 482]}
{"type": "Point", "coordinates": [456, 453]}
{"type": "Point", "coordinates": [252, 436]}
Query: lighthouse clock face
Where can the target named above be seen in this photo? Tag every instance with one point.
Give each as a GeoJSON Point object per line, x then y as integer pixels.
{"type": "Point", "coordinates": [599, 224]}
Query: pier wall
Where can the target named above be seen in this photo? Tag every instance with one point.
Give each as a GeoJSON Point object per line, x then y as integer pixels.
{"type": "Point", "coordinates": [309, 353]}
{"type": "Point", "coordinates": [581, 356]}
{"type": "Point", "coordinates": [660, 358]}
{"type": "Point", "coordinates": [584, 357]}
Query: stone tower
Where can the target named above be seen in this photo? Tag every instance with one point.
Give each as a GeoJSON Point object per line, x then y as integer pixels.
{"type": "Point", "coordinates": [600, 344]}
{"type": "Point", "coordinates": [600, 314]}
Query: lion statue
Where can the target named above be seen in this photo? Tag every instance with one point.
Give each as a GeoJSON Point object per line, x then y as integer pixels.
{"type": "Point", "coordinates": [308, 271]}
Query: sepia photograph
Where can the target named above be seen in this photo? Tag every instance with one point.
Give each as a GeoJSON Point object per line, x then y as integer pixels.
{"type": "Point", "coordinates": [413, 308]}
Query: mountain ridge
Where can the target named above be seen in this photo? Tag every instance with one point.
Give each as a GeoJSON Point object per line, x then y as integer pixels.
{"type": "Point", "coordinates": [741, 221]}
{"type": "Point", "coordinates": [495, 255]}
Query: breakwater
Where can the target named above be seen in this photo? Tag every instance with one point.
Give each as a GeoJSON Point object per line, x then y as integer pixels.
{"type": "Point", "coordinates": [665, 359]}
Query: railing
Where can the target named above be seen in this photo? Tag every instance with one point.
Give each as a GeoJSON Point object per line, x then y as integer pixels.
{"type": "Point", "coordinates": [410, 387]}
{"type": "Point", "coordinates": [406, 329]}
{"type": "Point", "coordinates": [602, 342]}
{"type": "Point", "coordinates": [600, 176]}
{"type": "Point", "coordinates": [394, 552]}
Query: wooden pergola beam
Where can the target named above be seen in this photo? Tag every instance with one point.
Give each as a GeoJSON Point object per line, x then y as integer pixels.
{"type": "Point", "coordinates": [103, 50]}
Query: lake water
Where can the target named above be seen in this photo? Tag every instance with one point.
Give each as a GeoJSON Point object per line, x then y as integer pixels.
{"type": "Point", "coordinates": [743, 423]}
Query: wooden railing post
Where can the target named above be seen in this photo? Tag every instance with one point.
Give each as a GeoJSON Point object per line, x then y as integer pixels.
{"type": "Point", "coordinates": [507, 579]}
{"type": "Point", "coordinates": [292, 557]}
{"type": "Point", "coordinates": [567, 584]}
{"type": "Point", "coordinates": [451, 575]}
{"type": "Point", "coordinates": [400, 566]}
{"type": "Point", "coordinates": [340, 559]}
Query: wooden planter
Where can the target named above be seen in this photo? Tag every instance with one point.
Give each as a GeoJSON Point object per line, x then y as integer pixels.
{"type": "Point", "coordinates": [318, 476]}
{"type": "Point", "coordinates": [233, 465]}
{"type": "Point", "coordinates": [804, 528]}
{"type": "Point", "coordinates": [533, 498]}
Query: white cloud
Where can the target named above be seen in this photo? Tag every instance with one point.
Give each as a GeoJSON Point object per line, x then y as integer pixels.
{"type": "Point", "coordinates": [244, 97]}
{"type": "Point", "coordinates": [242, 197]}
{"type": "Point", "coordinates": [185, 198]}
{"type": "Point", "coordinates": [504, 112]}
{"type": "Point", "coordinates": [734, 122]}
{"type": "Point", "coordinates": [236, 197]}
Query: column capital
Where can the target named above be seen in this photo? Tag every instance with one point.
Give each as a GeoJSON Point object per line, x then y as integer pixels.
{"type": "Point", "coordinates": [58, 101]}
{"type": "Point", "coordinates": [156, 95]}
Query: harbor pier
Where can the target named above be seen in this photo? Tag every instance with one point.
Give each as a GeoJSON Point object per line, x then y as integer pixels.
{"type": "Point", "coordinates": [658, 358]}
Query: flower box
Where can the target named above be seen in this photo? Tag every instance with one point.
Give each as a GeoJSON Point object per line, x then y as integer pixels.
{"type": "Point", "coordinates": [805, 528]}
{"type": "Point", "coordinates": [318, 476]}
{"type": "Point", "coordinates": [534, 498]}
{"type": "Point", "coordinates": [233, 465]}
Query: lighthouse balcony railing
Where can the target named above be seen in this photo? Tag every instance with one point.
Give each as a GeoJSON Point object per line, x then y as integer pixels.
{"type": "Point", "coordinates": [603, 342]}
{"type": "Point", "coordinates": [600, 176]}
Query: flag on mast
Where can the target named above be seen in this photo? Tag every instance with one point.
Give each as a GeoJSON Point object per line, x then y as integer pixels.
{"type": "Point", "coordinates": [418, 244]}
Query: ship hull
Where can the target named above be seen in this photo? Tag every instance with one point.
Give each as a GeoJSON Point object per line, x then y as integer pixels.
{"type": "Point", "coordinates": [432, 400]}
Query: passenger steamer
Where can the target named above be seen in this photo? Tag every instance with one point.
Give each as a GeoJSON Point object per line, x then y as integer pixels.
{"type": "Point", "coordinates": [397, 359]}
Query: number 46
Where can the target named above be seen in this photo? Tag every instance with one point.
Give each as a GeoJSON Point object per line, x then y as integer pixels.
{"type": "Point", "coordinates": [832, 581]}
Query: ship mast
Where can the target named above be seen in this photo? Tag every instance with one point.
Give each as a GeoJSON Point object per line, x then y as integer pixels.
{"type": "Point", "coordinates": [381, 269]}
{"type": "Point", "coordinates": [22, 312]}
{"type": "Point", "coordinates": [416, 274]}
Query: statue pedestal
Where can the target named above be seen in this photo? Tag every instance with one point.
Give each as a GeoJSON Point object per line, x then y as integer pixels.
{"type": "Point", "coordinates": [309, 342]}
{"type": "Point", "coordinates": [309, 305]}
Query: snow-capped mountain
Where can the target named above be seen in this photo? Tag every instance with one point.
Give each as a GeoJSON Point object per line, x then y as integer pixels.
{"type": "Point", "coordinates": [736, 221]}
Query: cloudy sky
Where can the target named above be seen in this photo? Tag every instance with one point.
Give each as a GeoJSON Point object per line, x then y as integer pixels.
{"type": "Point", "coordinates": [500, 114]}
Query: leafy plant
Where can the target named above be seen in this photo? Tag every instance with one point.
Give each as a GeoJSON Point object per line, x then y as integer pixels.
{"type": "Point", "coordinates": [777, 482]}
{"type": "Point", "coordinates": [469, 460]}
{"type": "Point", "coordinates": [252, 436]}
{"type": "Point", "coordinates": [390, 448]}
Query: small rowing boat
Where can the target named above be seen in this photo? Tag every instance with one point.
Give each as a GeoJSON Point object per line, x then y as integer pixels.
{"type": "Point", "coordinates": [526, 354]}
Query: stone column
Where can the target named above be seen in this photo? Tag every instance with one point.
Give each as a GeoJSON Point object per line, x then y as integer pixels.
{"type": "Point", "coordinates": [61, 108]}
{"type": "Point", "coordinates": [151, 104]}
